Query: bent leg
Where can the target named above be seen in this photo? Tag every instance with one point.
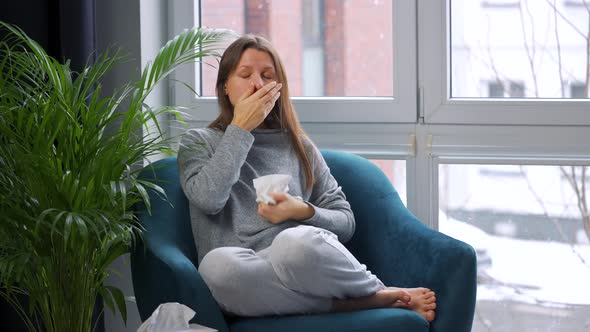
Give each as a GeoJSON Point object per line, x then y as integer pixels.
{"type": "Point", "coordinates": [245, 284]}
{"type": "Point", "coordinates": [311, 260]}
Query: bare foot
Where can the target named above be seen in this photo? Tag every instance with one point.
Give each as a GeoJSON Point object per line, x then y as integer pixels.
{"type": "Point", "coordinates": [423, 301]}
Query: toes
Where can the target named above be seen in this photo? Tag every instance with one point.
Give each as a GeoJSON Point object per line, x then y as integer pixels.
{"type": "Point", "coordinates": [430, 300]}
{"type": "Point", "coordinates": [428, 294]}
{"type": "Point", "coordinates": [429, 315]}
{"type": "Point", "coordinates": [423, 290]}
{"type": "Point", "coordinates": [430, 306]}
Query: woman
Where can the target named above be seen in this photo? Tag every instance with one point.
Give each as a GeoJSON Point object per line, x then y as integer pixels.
{"type": "Point", "coordinates": [285, 258]}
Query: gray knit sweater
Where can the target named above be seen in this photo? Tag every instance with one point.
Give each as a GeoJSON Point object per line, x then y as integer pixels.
{"type": "Point", "coordinates": [216, 172]}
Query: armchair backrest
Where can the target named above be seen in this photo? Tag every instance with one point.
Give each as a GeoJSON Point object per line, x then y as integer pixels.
{"type": "Point", "coordinates": [367, 190]}
{"type": "Point", "coordinates": [169, 221]}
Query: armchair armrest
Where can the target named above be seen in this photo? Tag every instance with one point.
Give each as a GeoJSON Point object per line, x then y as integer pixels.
{"type": "Point", "coordinates": [162, 273]}
{"type": "Point", "coordinates": [406, 253]}
{"type": "Point", "coordinates": [402, 251]}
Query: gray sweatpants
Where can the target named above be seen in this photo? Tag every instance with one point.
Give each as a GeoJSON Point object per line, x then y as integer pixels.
{"type": "Point", "coordinates": [303, 269]}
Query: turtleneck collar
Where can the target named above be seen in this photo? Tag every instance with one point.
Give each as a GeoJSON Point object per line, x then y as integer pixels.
{"type": "Point", "coordinates": [267, 131]}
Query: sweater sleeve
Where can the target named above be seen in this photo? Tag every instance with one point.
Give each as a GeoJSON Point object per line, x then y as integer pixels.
{"type": "Point", "coordinates": [208, 172]}
{"type": "Point", "coordinates": [332, 210]}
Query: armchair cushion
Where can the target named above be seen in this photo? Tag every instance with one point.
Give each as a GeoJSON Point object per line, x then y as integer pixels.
{"type": "Point", "coordinates": [380, 320]}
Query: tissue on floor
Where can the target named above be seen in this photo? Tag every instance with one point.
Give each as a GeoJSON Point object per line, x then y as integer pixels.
{"type": "Point", "coordinates": [172, 317]}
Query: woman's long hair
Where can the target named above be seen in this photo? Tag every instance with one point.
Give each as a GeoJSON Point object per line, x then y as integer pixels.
{"type": "Point", "coordinates": [282, 115]}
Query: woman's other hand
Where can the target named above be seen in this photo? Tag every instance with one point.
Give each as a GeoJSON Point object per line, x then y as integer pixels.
{"type": "Point", "coordinates": [254, 105]}
{"type": "Point", "coordinates": [287, 207]}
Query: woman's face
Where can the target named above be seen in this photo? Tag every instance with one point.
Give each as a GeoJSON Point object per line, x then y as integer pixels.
{"type": "Point", "coordinates": [256, 68]}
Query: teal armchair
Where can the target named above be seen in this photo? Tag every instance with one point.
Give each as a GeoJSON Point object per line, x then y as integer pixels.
{"type": "Point", "coordinates": [393, 244]}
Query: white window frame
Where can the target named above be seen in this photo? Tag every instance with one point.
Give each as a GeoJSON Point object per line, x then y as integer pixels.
{"type": "Point", "coordinates": [503, 145]}
{"type": "Point", "coordinates": [434, 66]}
{"type": "Point", "coordinates": [446, 131]}
{"type": "Point", "coordinates": [401, 108]}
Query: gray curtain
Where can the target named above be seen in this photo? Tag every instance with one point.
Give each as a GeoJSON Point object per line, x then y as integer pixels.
{"type": "Point", "coordinates": [65, 28]}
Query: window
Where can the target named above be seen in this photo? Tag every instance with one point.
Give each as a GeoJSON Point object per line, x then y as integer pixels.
{"type": "Point", "coordinates": [530, 231]}
{"type": "Point", "coordinates": [324, 51]}
{"type": "Point", "coordinates": [531, 44]}
{"type": "Point", "coordinates": [395, 170]}
{"type": "Point", "coordinates": [534, 44]}
{"type": "Point", "coordinates": [351, 53]}
{"type": "Point", "coordinates": [538, 45]}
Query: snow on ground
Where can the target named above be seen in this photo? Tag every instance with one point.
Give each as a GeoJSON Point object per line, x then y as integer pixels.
{"type": "Point", "coordinates": [546, 273]}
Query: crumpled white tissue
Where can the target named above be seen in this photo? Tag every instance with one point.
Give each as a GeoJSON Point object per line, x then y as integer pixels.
{"type": "Point", "coordinates": [272, 183]}
{"type": "Point", "coordinates": [172, 317]}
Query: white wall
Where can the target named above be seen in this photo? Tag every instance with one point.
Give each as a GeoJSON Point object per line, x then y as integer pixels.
{"type": "Point", "coordinates": [119, 25]}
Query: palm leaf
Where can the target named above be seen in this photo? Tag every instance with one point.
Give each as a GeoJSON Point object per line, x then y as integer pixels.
{"type": "Point", "coordinates": [69, 158]}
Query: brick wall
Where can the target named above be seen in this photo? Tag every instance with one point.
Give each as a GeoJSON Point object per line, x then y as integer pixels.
{"type": "Point", "coordinates": [357, 41]}
{"type": "Point", "coordinates": [226, 14]}
{"type": "Point", "coordinates": [335, 48]}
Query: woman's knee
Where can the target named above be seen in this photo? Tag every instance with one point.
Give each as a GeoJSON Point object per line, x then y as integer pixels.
{"type": "Point", "coordinates": [222, 267]}
{"type": "Point", "coordinates": [234, 276]}
{"type": "Point", "coordinates": [299, 246]}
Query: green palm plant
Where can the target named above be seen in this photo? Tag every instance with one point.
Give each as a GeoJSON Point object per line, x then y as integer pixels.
{"type": "Point", "coordinates": [68, 180]}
